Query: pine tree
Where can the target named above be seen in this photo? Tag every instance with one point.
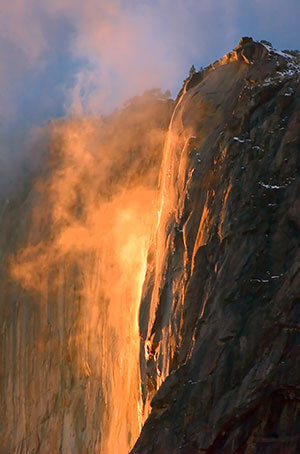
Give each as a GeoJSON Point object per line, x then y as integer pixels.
{"type": "Point", "coordinates": [192, 70]}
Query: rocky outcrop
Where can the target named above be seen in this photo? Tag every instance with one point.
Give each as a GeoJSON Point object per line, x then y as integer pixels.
{"type": "Point", "coordinates": [219, 318]}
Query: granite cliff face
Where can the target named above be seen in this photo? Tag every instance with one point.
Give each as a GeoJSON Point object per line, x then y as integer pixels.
{"type": "Point", "coordinates": [214, 352]}
{"type": "Point", "coordinates": [219, 317]}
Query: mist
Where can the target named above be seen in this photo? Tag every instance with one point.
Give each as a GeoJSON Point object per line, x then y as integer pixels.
{"type": "Point", "coordinates": [91, 212]}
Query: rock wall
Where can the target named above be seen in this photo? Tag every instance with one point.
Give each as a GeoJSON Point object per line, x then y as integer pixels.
{"type": "Point", "coordinates": [219, 318]}
{"type": "Point", "coordinates": [50, 400]}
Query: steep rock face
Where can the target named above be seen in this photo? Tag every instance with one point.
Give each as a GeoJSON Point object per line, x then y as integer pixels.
{"type": "Point", "coordinates": [219, 318]}
{"type": "Point", "coordinates": [50, 400]}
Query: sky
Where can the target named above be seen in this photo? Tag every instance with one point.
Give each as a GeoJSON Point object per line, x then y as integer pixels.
{"type": "Point", "coordinates": [74, 57]}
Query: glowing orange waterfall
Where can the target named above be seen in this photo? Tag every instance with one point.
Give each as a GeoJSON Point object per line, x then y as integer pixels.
{"type": "Point", "coordinates": [172, 182]}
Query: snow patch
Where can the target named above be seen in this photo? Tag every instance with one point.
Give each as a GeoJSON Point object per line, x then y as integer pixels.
{"type": "Point", "coordinates": [256, 147]}
{"type": "Point", "coordinates": [270, 186]}
{"type": "Point", "coordinates": [271, 50]}
{"type": "Point", "coordinates": [237, 139]}
{"type": "Point", "coordinates": [289, 91]}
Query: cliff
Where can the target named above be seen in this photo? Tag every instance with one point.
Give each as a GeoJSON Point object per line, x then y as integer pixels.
{"type": "Point", "coordinates": [206, 360]}
{"type": "Point", "coordinates": [219, 317]}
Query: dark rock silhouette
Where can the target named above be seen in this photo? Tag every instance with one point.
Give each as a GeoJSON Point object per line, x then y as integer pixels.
{"type": "Point", "coordinates": [219, 319]}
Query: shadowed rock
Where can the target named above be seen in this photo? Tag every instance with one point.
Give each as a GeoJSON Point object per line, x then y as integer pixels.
{"type": "Point", "coordinates": [221, 313]}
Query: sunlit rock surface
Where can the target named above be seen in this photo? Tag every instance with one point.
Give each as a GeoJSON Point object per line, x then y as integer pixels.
{"type": "Point", "coordinates": [219, 317]}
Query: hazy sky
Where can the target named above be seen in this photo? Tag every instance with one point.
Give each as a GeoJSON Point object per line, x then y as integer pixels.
{"type": "Point", "coordinates": [88, 56]}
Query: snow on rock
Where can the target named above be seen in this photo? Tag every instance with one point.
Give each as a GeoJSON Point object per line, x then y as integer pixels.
{"type": "Point", "coordinates": [270, 186]}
